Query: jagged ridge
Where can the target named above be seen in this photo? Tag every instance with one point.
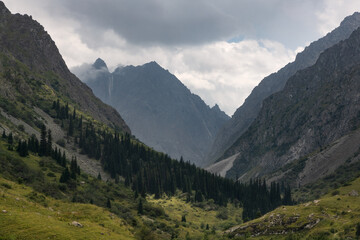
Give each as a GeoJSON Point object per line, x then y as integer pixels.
{"type": "Point", "coordinates": [245, 115]}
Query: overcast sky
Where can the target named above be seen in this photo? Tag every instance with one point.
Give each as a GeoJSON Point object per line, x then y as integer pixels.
{"type": "Point", "coordinates": [220, 49]}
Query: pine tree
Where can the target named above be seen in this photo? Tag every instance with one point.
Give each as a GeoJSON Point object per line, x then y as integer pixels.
{"type": "Point", "coordinates": [183, 218]}
{"type": "Point", "coordinates": [65, 176]}
{"type": "Point", "coordinates": [99, 176]}
{"type": "Point", "coordinates": [66, 111]}
{"type": "Point", "coordinates": [63, 159]}
{"type": "Point", "coordinates": [10, 139]}
{"type": "Point", "coordinates": [108, 203]}
{"type": "Point", "coordinates": [198, 196]}
{"type": "Point", "coordinates": [49, 144]}
{"type": "Point", "coordinates": [71, 127]}
{"type": "Point", "coordinates": [140, 207]}
{"type": "Point", "coordinates": [287, 200]}
{"type": "Point", "coordinates": [43, 143]}
{"type": "Point", "coordinates": [3, 134]}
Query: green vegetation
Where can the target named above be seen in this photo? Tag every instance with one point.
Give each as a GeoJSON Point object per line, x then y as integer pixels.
{"type": "Point", "coordinates": [48, 207]}
{"type": "Point", "coordinates": [334, 216]}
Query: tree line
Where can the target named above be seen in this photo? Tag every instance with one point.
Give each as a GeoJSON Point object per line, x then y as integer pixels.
{"type": "Point", "coordinates": [150, 172]}
{"type": "Point", "coordinates": [44, 147]}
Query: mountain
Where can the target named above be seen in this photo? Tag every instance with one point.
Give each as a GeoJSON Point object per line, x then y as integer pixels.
{"type": "Point", "coordinates": [246, 114]}
{"type": "Point", "coordinates": [317, 107]}
{"type": "Point", "coordinates": [23, 40]}
{"type": "Point", "coordinates": [69, 167]}
{"type": "Point", "coordinates": [159, 109]}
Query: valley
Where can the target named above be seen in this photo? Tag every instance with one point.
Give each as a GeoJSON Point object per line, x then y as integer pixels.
{"type": "Point", "coordinates": [132, 153]}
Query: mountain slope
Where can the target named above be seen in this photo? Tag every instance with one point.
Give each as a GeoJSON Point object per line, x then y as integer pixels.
{"type": "Point", "coordinates": [318, 105]}
{"type": "Point", "coordinates": [24, 42]}
{"type": "Point", "coordinates": [334, 216]}
{"type": "Point", "coordinates": [246, 114]}
{"type": "Point", "coordinates": [159, 109]}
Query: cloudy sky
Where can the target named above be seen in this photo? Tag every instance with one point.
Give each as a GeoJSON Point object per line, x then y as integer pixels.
{"type": "Point", "coordinates": [220, 49]}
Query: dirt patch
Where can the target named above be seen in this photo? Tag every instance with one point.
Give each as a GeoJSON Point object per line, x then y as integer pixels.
{"type": "Point", "coordinates": [223, 166]}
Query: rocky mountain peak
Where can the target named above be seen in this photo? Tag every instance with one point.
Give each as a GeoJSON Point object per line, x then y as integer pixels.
{"type": "Point", "coordinates": [246, 114]}
{"type": "Point", "coordinates": [160, 110]}
{"type": "Point", "coordinates": [25, 40]}
{"type": "Point", "coordinates": [99, 64]}
{"type": "Point", "coordinates": [351, 20]}
{"type": "Point", "coordinates": [3, 8]}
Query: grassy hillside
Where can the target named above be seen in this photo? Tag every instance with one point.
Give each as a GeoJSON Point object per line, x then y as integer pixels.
{"type": "Point", "coordinates": [34, 205]}
{"type": "Point", "coordinates": [334, 216]}
{"type": "Point", "coordinates": [27, 214]}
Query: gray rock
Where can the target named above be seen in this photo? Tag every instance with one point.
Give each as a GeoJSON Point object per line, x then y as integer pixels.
{"type": "Point", "coordinates": [159, 109]}
{"type": "Point", "coordinates": [77, 224]}
{"type": "Point", "coordinates": [323, 107]}
{"type": "Point", "coordinates": [246, 114]}
{"type": "Point", "coordinates": [354, 193]}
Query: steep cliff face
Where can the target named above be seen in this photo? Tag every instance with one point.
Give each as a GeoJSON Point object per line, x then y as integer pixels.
{"type": "Point", "coordinates": [317, 106]}
{"type": "Point", "coordinates": [24, 41]}
{"type": "Point", "coordinates": [159, 109]}
{"type": "Point", "coordinates": [246, 114]}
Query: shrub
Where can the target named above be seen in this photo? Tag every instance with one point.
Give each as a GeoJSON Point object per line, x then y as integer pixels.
{"type": "Point", "coordinates": [222, 214]}
{"type": "Point", "coordinates": [336, 192]}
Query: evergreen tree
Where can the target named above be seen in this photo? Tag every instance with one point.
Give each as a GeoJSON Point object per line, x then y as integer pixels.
{"type": "Point", "coordinates": [183, 218]}
{"type": "Point", "coordinates": [99, 176]}
{"type": "Point", "coordinates": [3, 134]}
{"type": "Point", "coordinates": [49, 144]}
{"type": "Point", "coordinates": [66, 111]}
{"type": "Point", "coordinates": [71, 127]}
{"type": "Point", "coordinates": [65, 176]}
{"type": "Point", "coordinates": [43, 142]}
{"type": "Point", "coordinates": [198, 196]}
{"type": "Point", "coordinates": [108, 203]}
{"type": "Point", "coordinates": [287, 200]}
{"type": "Point", "coordinates": [10, 139]}
{"type": "Point", "coordinates": [23, 149]}
{"type": "Point", "coordinates": [136, 195]}
{"type": "Point", "coordinates": [63, 159]}
{"type": "Point", "coordinates": [140, 207]}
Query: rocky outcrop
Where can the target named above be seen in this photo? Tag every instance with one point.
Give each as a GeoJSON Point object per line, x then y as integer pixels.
{"type": "Point", "coordinates": [24, 41]}
{"type": "Point", "coordinates": [317, 106]}
{"type": "Point", "coordinates": [159, 109]}
{"type": "Point", "coordinates": [246, 114]}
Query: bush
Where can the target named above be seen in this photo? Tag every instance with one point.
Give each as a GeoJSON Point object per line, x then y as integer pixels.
{"type": "Point", "coordinates": [6, 185]}
{"type": "Point", "coordinates": [222, 214]}
{"type": "Point", "coordinates": [336, 192]}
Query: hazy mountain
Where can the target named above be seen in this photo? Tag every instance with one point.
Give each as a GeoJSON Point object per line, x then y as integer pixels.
{"type": "Point", "coordinates": [159, 109]}
{"type": "Point", "coordinates": [317, 107]}
{"type": "Point", "coordinates": [246, 114]}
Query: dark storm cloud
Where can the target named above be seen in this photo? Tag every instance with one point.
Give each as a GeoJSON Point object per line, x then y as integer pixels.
{"type": "Point", "coordinates": [154, 22]}
{"type": "Point", "coordinates": [174, 22]}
